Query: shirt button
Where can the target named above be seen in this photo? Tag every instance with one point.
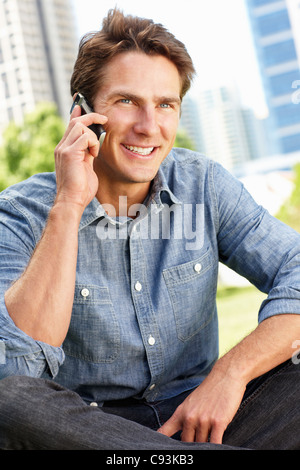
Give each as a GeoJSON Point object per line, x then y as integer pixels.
{"type": "Point", "coordinates": [152, 387]}
{"type": "Point", "coordinates": [197, 267]}
{"type": "Point", "coordinates": [138, 286]}
{"type": "Point", "coordinates": [151, 340]}
{"type": "Point", "coordinates": [93, 403]}
{"type": "Point", "coordinates": [85, 292]}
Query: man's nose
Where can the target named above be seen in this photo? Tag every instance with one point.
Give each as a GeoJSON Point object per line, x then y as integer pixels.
{"type": "Point", "coordinates": [147, 122]}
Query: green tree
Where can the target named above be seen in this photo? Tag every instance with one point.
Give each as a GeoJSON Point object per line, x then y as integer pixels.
{"type": "Point", "coordinates": [290, 211]}
{"type": "Point", "coordinates": [183, 140]}
{"type": "Point", "coordinates": [29, 148]}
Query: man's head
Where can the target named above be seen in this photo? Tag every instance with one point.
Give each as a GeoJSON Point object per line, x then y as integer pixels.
{"type": "Point", "coordinates": [121, 34]}
{"type": "Point", "coordinates": [135, 73]}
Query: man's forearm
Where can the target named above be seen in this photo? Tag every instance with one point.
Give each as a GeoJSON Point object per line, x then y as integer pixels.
{"type": "Point", "coordinates": [269, 345]}
{"type": "Point", "coordinates": [40, 302]}
{"type": "Point", "coordinates": [208, 410]}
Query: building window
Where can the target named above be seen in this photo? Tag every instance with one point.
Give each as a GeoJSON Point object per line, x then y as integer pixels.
{"type": "Point", "coordinates": [19, 82]}
{"type": "Point", "coordinates": [282, 84]}
{"type": "Point", "coordinates": [287, 115]}
{"type": "Point", "coordinates": [280, 52]}
{"type": "Point", "coordinates": [260, 3]}
{"type": "Point", "coordinates": [10, 114]}
{"type": "Point", "coordinates": [290, 143]}
{"type": "Point", "coordinates": [1, 55]}
{"type": "Point", "coordinates": [273, 23]}
{"type": "Point", "coordinates": [4, 82]}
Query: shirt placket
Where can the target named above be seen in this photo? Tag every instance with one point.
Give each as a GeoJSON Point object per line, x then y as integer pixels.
{"type": "Point", "coordinates": [144, 309]}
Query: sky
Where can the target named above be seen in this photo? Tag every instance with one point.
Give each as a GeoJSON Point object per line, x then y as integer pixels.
{"type": "Point", "coordinates": [216, 34]}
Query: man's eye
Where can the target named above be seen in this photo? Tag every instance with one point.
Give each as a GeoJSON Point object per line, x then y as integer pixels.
{"type": "Point", "coordinates": [125, 100]}
{"type": "Point", "coordinates": [164, 105]}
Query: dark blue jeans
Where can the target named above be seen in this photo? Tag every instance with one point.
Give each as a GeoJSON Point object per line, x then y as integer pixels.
{"type": "Point", "coordinates": [39, 414]}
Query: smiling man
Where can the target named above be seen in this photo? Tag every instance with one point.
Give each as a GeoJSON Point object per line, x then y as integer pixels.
{"type": "Point", "coordinates": [109, 338]}
{"type": "Point", "coordinates": [143, 114]}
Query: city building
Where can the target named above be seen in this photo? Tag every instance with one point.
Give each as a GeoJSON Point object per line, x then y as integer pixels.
{"type": "Point", "coordinates": [276, 34]}
{"type": "Point", "coordinates": [189, 122]}
{"type": "Point", "coordinates": [230, 132]}
{"type": "Point", "coordinates": [38, 47]}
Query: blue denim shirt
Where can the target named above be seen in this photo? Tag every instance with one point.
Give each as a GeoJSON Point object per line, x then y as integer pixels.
{"type": "Point", "coordinates": [144, 320]}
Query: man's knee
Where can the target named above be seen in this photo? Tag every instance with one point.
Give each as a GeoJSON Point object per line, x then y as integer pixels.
{"type": "Point", "coordinates": [22, 402]}
{"type": "Point", "coordinates": [14, 387]}
{"type": "Point", "coordinates": [13, 392]}
{"type": "Point", "coordinates": [10, 387]}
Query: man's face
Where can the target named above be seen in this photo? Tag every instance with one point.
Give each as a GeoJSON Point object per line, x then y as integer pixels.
{"type": "Point", "coordinates": [141, 98]}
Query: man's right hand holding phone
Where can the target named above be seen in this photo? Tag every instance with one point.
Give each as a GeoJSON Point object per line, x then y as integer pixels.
{"type": "Point", "coordinates": [77, 183]}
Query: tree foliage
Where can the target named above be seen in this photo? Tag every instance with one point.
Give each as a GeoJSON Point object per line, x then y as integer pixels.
{"type": "Point", "coordinates": [183, 140]}
{"type": "Point", "coordinates": [290, 211]}
{"type": "Point", "coordinates": [29, 148]}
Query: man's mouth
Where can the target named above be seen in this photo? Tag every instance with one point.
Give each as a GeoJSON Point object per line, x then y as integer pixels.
{"type": "Point", "coordinates": [144, 151]}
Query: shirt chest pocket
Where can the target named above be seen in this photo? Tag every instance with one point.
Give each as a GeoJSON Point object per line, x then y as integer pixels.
{"type": "Point", "coordinates": [94, 333]}
{"type": "Point", "coordinates": [192, 289]}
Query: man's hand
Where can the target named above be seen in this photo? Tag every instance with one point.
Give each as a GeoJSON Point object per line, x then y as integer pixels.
{"type": "Point", "coordinates": [77, 183]}
{"type": "Point", "coordinates": [207, 411]}
{"type": "Point", "coordinates": [52, 268]}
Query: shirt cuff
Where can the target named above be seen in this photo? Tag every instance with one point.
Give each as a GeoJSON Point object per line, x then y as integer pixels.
{"type": "Point", "coordinates": [36, 356]}
{"type": "Point", "coordinates": [281, 300]}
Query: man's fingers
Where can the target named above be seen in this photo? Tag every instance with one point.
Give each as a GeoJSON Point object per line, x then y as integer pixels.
{"type": "Point", "coordinates": [88, 143]}
{"type": "Point", "coordinates": [80, 138]}
{"type": "Point", "coordinates": [86, 119]}
{"type": "Point", "coordinates": [77, 120]}
{"type": "Point", "coordinates": [194, 431]}
{"type": "Point", "coordinates": [76, 112]}
{"type": "Point", "coordinates": [217, 432]}
{"type": "Point", "coordinates": [188, 434]}
{"type": "Point", "coordinates": [170, 427]}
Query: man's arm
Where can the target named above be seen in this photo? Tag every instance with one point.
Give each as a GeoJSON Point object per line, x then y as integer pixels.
{"type": "Point", "coordinates": [267, 253]}
{"type": "Point", "coordinates": [211, 407]}
{"type": "Point", "coordinates": [40, 302]}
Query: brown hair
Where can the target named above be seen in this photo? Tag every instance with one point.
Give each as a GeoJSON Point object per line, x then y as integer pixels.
{"type": "Point", "coordinates": [120, 34]}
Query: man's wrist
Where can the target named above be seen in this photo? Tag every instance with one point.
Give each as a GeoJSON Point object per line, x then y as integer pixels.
{"type": "Point", "coordinates": [68, 212]}
{"type": "Point", "coordinates": [234, 366]}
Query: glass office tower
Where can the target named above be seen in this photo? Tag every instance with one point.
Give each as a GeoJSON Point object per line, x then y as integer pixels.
{"type": "Point", "coordinates": [38, 47]}
{"type": "Point", "coordinates": [275, 38]}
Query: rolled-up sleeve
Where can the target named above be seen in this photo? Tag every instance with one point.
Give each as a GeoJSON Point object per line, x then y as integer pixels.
{"type": "Point", "coordinates": [22, 355]}
{"type": "Point", "coordinates": [258, 246]}
{"type": "Point", "coordinates": [19, 353]}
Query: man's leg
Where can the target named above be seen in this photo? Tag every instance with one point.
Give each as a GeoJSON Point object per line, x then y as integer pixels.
{"type": "Point", "coordinates": [269, 417]}
{"type": "Point", "coordinates": [39, 414]}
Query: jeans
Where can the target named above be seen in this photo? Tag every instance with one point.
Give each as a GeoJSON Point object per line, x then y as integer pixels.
{"type": "Point", "coordinates": [40, 414]}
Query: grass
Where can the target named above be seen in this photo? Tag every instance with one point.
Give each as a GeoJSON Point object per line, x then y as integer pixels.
{"type": "Point", "coordinates": [238, 312]}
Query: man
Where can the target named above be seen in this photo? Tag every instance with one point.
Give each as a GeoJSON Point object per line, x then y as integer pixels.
{"type": "Point", "coordinates": [109, 275]}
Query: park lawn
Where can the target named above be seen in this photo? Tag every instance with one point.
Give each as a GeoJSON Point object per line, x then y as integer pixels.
{"type": "Point", "coordinates": [238, 310]}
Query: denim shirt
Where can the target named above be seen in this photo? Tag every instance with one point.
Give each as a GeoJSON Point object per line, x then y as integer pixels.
{"type": "Point", "coordinates": [144, 321]}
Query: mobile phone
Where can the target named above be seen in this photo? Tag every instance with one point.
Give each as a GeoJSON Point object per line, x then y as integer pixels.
{"type": "Point", "coordinates": [85, 109]}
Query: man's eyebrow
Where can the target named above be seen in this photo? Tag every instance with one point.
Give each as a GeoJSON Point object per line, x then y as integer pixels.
{"type": "Point", "coordinates": [169, 99]}
{"type": "Point", "coordinates": [136, 98]}
{"type": "Point", "coordinates": [124, 94]}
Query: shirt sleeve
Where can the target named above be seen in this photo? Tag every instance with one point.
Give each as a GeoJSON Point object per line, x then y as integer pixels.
{"type": "Point", "coordinates": [19, 353]}
{"type": "Point", "coordinates": [257, 246]}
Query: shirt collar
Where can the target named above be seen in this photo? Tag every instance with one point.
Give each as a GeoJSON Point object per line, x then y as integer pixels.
{"type": "Point", "coordinates": [159, 195]}
{"type": "Point", "coordinates": [161, 192]}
